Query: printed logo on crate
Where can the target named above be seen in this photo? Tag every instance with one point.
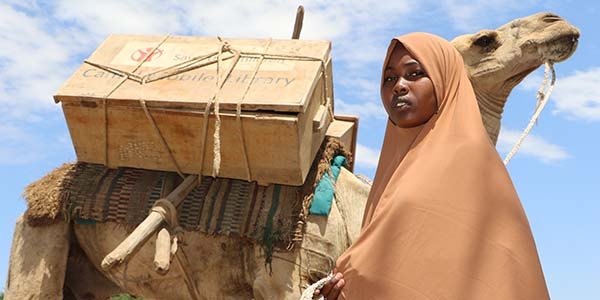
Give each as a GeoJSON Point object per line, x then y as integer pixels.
{"type": "Point", "coordinates": [169, 54]}
{"type": "Point", "coordinates": [148, 54]}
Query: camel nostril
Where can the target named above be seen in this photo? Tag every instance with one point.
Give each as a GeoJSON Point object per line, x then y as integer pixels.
{"type": "Point", "coordinates": [574, 39]}
{"type": "Point", "coordinates": [550, 17]}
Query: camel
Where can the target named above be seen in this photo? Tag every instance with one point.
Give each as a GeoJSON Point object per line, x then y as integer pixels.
{"type": "Point", "coordinates": [220, 267]}
{"type": "Point", "coordinates": [497, 60]}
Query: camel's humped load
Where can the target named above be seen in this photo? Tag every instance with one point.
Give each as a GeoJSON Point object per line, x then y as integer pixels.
{"type": "Point", "coordinates": [252, 109]}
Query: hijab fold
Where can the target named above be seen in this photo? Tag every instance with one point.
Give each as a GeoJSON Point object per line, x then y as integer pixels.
{"type": "Point", "coordinates": [443, 220]}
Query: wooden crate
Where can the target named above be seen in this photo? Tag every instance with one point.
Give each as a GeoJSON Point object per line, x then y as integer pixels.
{"type": "Point", "coordinates": [345, 128]}
{"type": "Point", "coordinates": [127, 106]}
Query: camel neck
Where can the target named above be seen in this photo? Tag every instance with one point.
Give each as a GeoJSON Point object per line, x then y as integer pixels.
{"type": "Point", "coordinates": [491, 106]}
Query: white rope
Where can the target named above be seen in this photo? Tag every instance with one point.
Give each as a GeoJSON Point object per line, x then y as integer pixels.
{"type": "Point", "coordinates": [309, 292]}
{"type": "Point", "coordinates": [542, 99]}
{"type": "Point", "coordinates": [364, 179]}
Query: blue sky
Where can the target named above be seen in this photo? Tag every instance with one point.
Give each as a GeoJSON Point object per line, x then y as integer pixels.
{"type": "Point", "coordinates": [555, 172]}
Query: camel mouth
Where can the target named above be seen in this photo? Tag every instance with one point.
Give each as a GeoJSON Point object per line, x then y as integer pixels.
{"type": "Point", "coordinates": [490, 68]}
{"type": "Point", "coordinates": [560, 48]}
{"type": "Point", "coordinates": [555, 50]}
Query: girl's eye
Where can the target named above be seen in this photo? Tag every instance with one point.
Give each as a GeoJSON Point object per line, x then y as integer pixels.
{"type": "Point", "coordinates": [416, 74]}
{"type": "Point", "coordinates": [390, 78]}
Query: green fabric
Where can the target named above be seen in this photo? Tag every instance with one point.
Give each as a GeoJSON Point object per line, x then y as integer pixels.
{"type": "Point", "coordinates": [321, 203]}
{"type": "Point", "coordinates": [85, 221]}
{"type": "Point", "coordinates": [268, 236]}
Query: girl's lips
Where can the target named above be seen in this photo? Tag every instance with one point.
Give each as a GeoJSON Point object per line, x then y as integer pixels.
{"type": "Point", "coordinates": [400, 102]}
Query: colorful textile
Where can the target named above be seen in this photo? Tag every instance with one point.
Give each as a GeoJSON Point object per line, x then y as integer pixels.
{"type": "Point", "coordinates": [263, 214]}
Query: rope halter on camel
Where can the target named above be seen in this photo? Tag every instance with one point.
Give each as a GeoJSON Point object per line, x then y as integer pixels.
{"type": "Point", "coordinates": [308, 293]}
{"type": "Point", "coordinates": [542, 99]}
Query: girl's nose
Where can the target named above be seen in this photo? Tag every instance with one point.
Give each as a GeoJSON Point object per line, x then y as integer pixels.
{"type": "Point", "coordinates": [400, 88]}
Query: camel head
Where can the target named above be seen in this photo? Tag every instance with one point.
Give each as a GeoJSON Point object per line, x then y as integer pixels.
{"type": "Point", "coordinates": [497, 60]}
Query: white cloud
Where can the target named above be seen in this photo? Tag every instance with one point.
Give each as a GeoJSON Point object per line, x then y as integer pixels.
{"type": "Point", "coordinates": [100, 18]}
{"type": "Point", "coordinates": [366, 157]}
{"type": "Point", "coordinates": [16, 146]}
{"type": "Point", "coordinates": [22, 144]}
{"type": "Point", "coordinates": [11, 133]}
{"type": "Point", "coordinates": [359, 30]}
{"type": "Point", "coordinates": [34, 62]}
{"type": "Point", "coordinates": [364, 88]}
{"type": "Point", "coordinates": [533, 146]}
{"type": "Point", "coordinates": [263, 18]}
{"type": "Point", "coordinates": [365, 110]}
{"type": "Point", "coordinates": [574, 97]}
{"type": "Point", "coordinates": [469, 15]}
{"type": "Point", "coordinates": [578, 96]}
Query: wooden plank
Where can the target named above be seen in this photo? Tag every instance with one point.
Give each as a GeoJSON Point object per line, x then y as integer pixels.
{"type": "Point", "coordinates": [147, 227]}
{"type": "Point", "coordinates": [345, 128]}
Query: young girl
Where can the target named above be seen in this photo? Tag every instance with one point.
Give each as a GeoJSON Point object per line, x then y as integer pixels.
{"type": "Point", "coordinates": [443, 220]}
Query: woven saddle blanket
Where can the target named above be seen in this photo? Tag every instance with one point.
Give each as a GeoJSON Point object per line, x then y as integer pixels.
{"type": "Point", "coordinates": [222, 206]}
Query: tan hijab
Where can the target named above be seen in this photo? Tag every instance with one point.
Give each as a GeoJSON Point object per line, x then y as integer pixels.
{"type": "Point", "coordinates": [443, 220]}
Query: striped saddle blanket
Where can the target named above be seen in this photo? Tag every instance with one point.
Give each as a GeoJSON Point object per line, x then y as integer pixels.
{"type": "Point", "coordinates": [231, 207]}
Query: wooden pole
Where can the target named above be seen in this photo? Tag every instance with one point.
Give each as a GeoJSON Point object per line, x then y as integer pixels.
{"type": "Point", "coordinates": [148, 226]}
{"type": "Point", "coordinates": [298, 22]}
{"type": "Point", "coordinates": [162, 254]}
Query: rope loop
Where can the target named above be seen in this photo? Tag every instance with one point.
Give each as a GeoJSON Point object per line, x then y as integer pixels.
{"type": "Point", "coordinates": [167, 211]}
{"type": "Point", "coordinates": [542, 99]}
{"type": "Point", "coordinates": [225, 46]}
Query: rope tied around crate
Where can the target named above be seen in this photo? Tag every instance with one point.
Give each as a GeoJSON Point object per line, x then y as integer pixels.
{"type": "Point", "coordinates": [224, 47]}
{"type": "Point", "coordinates": [157, 130]}
{"type": "Point", "coordinates": [238, 112]}
{"type": "Point", "coordinates": [225, 52]}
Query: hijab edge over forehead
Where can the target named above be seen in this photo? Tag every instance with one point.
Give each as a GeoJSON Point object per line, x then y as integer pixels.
{"type": "Point", "coordinates": [437, 56]}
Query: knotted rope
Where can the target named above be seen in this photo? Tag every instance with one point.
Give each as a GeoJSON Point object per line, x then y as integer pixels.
{"type": "Point", "coordinates": [225, 47]}
{"type": "Point", "coordinates": [167, 210]}
{"type": "Point", "coordinates": [542, 99]}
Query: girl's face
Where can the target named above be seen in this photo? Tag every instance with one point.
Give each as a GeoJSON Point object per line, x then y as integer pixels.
{"type": "Point", "coordinates": [406, 91]}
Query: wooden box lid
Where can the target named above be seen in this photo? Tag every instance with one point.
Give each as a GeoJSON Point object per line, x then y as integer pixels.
{"type": "Point", "coordinates": [181, 72]}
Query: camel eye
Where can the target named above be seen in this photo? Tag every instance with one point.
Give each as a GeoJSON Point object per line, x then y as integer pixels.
{"type": "Point", "coordinates": [484, 41]}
